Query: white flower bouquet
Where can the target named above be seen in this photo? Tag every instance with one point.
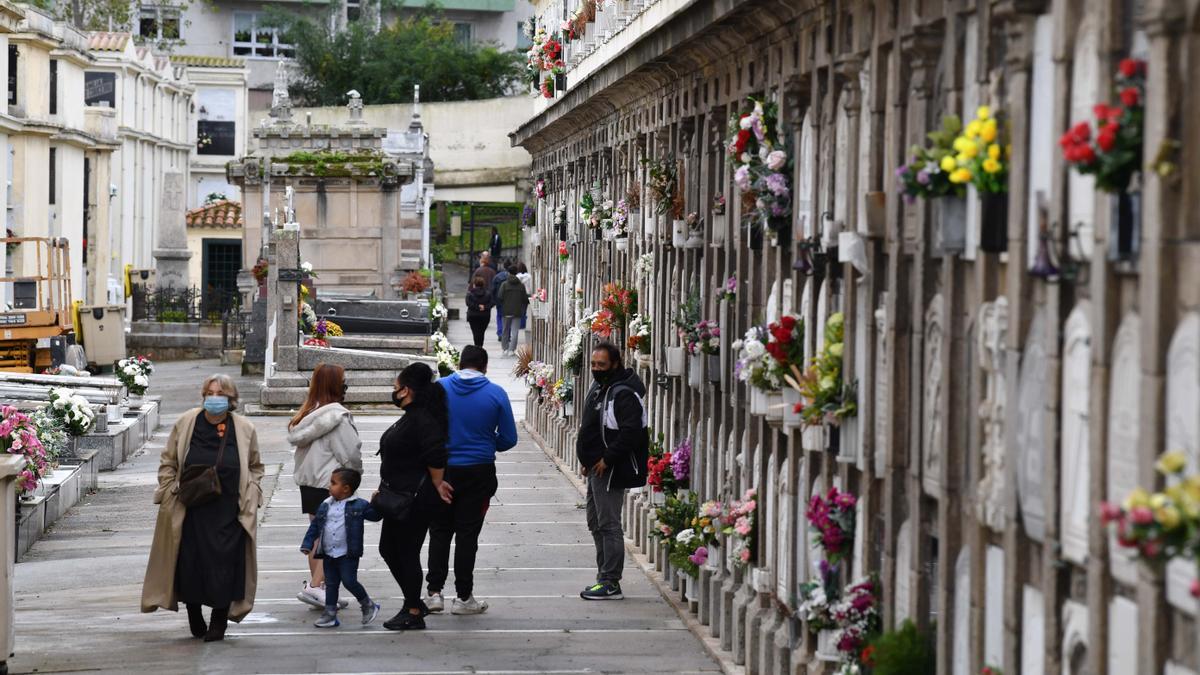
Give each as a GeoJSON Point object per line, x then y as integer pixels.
{"type": "Point", "coordinates": [72, 410]}
{"type": "Point", "coordinates": [445, 353]}
{"type": "Point", "coordinates": [134, 372]}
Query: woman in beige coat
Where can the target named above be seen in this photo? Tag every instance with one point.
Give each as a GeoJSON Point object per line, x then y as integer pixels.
{"type": "Point", "coordinates": [205, 555]}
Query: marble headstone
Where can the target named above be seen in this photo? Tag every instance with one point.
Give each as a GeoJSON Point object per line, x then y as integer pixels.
{"type": "Point", "coordinates": [1085, 91]}
{"type": "Point", "coordinates": [1183, 433]}
{"type": "Point", "coordinates": [1033, 634]}
{"type": "Point", "coordinates": [805, 167]}
{"type": "Point", "coordinates": [1074, 469]}
{"type": "Point", "coordinates": [171, 253]}
{"type": "Point", "coordinates": [903, 571]}
{"type": "Point", "coordinates": [1124, 427]}
{"type": "Point", "coordinates": [1074, 638]}
{"type": "Point", "coordinates": [932, 424]}
{"type": "Point", "coordinates": [1123, 631]}
{"type": "Point", "coordinates": [962, 613]}
{"type": "Point", "coordinates": [993, 606]}
{"type": "Point", "coordinates": [993, 411]}
{"type": "Point", "coordinates": [1028, 443]}
{"type": "Point", "coordinates": [882, 379]}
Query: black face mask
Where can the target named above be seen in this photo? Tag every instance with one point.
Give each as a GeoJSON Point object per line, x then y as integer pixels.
{"type": "Point", "coordinates": [396, 399]}
{"type": "Point", "coordinates": [601, 376]}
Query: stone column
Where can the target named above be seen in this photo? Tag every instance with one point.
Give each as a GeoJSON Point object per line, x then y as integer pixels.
{"type": "Point", "coordinates": [101, 233]}
{"type": "Point", "coordinates": [283, 303]}
{"type": "Point", "coordinates": [171, 252]}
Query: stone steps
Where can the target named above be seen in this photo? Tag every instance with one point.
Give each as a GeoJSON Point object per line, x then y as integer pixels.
{"type": "Point", "coordinates": [293, 397]}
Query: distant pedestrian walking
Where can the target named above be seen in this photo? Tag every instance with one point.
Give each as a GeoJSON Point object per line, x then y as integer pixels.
{"type": "Point", "coordinates": [496, 245]}
{"type": "Point", "coordinates": [497, 284]}
{"type": "Point", "coordinates": [612, 448]}
{"type": "Point", "coordinates": [479, 309]}
{"type": "Point", "coordinates": [335, 536]}
{"type": "Point", "coordinates": [486, 269]}
{"type": "Point", "coordinates": [527, 279]}
{"type": "Point", "coordinates": [482, 425]}
{"type": "Point", "coordinates": [514, 300]}
{"type": "Point", "coordinates": [204, 554]}
{"type": "Point", "coordinates": [326, 439]}
{"type": "Point", "coordinates": [413, 454]}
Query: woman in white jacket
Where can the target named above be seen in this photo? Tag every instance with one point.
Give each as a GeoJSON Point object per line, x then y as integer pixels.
{"type": "Point", "coordinates": [326, 439]}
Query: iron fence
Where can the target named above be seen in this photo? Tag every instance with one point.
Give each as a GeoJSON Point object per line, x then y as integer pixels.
{"type": "Point", "coordinates": [182, 305]}
{"type": "Point", "coordinates": [234, 326]}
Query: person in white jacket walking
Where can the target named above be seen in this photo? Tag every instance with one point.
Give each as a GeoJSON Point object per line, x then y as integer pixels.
{"type": "Point", "coordinates": [326, 439]}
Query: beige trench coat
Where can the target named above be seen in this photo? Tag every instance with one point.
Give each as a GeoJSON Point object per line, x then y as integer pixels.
{"type": "Point", "coordinates": [158, 589]}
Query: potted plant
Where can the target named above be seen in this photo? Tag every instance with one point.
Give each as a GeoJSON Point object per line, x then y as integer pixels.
{"type": "Point", "coordinates": [923, 176]}
{"type": "Point", "coordinates": [134, 372]}
{"type": "Point", "coordinates": [1114, 155]}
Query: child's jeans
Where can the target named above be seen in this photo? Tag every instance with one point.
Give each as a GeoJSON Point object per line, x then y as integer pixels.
{"type": "Point", "coordinates": [339, 572]}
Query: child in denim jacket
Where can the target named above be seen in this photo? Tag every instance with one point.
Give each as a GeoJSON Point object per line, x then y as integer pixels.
{"type": "Point", "coordinates": [337, 533]}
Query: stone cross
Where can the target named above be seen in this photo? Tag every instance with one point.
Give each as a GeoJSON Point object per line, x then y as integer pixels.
{"type": "Point", "coordinates": [281, 101]}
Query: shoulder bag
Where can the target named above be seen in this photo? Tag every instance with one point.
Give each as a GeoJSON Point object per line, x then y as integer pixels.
{"type": "Point", "coordinates": [396, 504]}
{"type": "Point", "coordinates": [199, 483]}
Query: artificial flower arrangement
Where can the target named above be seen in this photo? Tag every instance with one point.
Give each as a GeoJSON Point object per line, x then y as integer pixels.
{"type": "Point", "coordinates": [564, 253]}
{"type": "Point", "coordinates": [982, 155]}
{"type": "Point", "coordinates": [415, 282]}
{"type": "Point", "coordinates": [856, 620]}
{"type": "Point", "coordinates": [306, 268]}
{"type": "Point", "coordinates": [740, 524]}
{"type": "Point", "coordinates": [754, 365]}
{"type": "Point", "coordinates": [825, 397]}
{"type": "Point", "coordinates": [52, 433]}
{"type": "Point", "coordinates": [923, 176]}
{"type": "Point", "coordinates": [18, 436]}
{"type": "Point", "coordinates": [660, 476]}
{"type": "Point", "coordinates": [718, 205]}
{"type": "Point", "coordinates": [323, 329]}
{"type": "Point", "coordinates": [639, 334]}
{"type": "Point", "coordinates": [134, 372]}
{"type": "Point", "coordinates": [671, 525]}
{"type": "Point", "coordinates": [562, 392]}
{"type": "Point", "coordinates": [260, 270]}
{"type": "Point", "coordinates": [445, 353]}
{"type": "Point", "coordinates": [1163, 525]}
{"type": "Point", "coordinates": [662, 183]}
{"type": "Point", "coordinates": [762, 166]}
{"type": "Point", "coordinates": [785, 343]}
{"type": "Point", "coordinates": [704, 338]}
{"type": "Point", "coordinates": [727, 292]}
{"type": "Point", "coordinates": [832, 520]}
{"type": "Point", "coordinates": [594, 212]}
{"type": "Point", "coordinates": [603, 323]}
{"type": "Point", "coordinates": [572, 353]}
{"type": "Point", "coordinates": [685, 321]}
{"type": "Point", "coordinates": [620, 218]}
{"type": "Point", "coordinates": [540, 376]}
{"type": "Point", "coordinates": [705, 528]}
{"type": "Point", "coordinates": [533, 55]}
{"type": "Point", "coordinates": [539, 189]}
{"type": "Point", "coordinates": [1114, 154]}
{"type": "Point", "coordinates": [643, 267]}
{"type": "Point", "coordinates": [437, 314]}
{"type": "Point", "coordinates": [620, 301]}
{"type": "Point", "coordinates": [633, 197]}
{"type": "Point", "coordinates": [73, 411]}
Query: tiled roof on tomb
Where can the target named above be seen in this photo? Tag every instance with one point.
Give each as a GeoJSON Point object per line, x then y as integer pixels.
{"type": "Point", "coordinates": [221, 213]}
{"type": "Point", "coordinates": [103, 41]}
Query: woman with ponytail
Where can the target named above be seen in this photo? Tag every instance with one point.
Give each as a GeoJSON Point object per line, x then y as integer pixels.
{"type": "Point", "coordinates": [413, 460]}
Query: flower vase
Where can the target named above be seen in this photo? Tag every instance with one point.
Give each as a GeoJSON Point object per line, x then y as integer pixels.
{"type": "Point", "coordinates": [758, 401]}
{"type": "Point", "coordinates": [695, 370]}
{"type": "Point", "coordinates": [635, 222]}
{"type": "Point", "coordinates": [675, 359]}
{"type": "Point", "coordinates": [1125, 225]}
{"type": "Point", "coordinates": [713, 561]}
{"type": "Point", "coordinates": [719, 228]}
{"type": "Point", "coordinates": [775, 408]}
{"type": "Point", "coordinates": [950, 235]}
{"type": "Point", "coordinates": [262, 289]}
{"type": "Point", "coordinates": [756, 237]}
{"type": "Point", "coordinates": [827, 646]}
{"type": "Point", "coordinates": [597, 234]}
{"type": "Point", "coordinates": [645, 360]}
{"type": "Point", "coordinates": [134, 400]}
{"type": "Point", "coordinates": [609, 233]}
{"type": "Point", "coordinates": [835, 439]}
{"type": "Point", "coordinates": [658, 498]}
{"type": "Point", "coordinates": [714, 368]}
{"type": "Point", "coordinates": [791, 418]}
{"type": "Point", "coordinates": [535, 239]}
{"type": "Point", "coordinates": [560, 83]}
{"type": "Point", "coordinates": [569, 409]}
{"type": "Point", "coordinates": [993, 228]}
{"type": "Point", "coordinates": [695, 239]}
{"type": "Point", "coordinates": [113, 413]}
{"type": "Point", "coordinates": [622, 243]}
{"type": "Point", "coordinates": [679, 233]}
{"type": "Point", "coordinates": [689, 587]}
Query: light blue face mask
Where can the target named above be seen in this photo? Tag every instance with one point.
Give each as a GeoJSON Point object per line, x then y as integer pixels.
{"type": "Point", "coordinates": [216, 405]}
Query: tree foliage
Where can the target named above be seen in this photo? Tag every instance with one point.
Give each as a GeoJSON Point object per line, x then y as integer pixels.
{"type": "Point", "coordinates": [384, 65]}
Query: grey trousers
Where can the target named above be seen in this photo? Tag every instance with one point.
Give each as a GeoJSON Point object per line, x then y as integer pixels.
{"type": "Point", "coordinates": [604, 520]}
{"type": "Point", "coordinates": [512, 324]}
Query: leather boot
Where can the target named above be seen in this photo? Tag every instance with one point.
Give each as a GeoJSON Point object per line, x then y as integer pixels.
{"type": "Point", "coordinates": [196, 620]}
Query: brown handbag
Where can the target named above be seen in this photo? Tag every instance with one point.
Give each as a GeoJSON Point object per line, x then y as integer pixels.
{"type": "Point", "coordinates": [199, 483]}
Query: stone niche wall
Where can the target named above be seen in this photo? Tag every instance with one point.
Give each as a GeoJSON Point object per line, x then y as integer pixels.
{"type": "Point", "coordinates": [988, 397]}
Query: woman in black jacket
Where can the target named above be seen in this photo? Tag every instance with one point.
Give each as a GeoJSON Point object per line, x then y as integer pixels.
{"type": "Point", "coordinates": [479, 308]}
{"type": "Point", "coordinates": [413, 459]}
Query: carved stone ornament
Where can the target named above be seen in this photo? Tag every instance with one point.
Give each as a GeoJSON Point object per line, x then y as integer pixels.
{"type": "Point", "coordinates": [993, 411]}
{"type": "Point", "coordinates": [1028, 442]}
{"type": "Point", "coordinates": [933, 425]}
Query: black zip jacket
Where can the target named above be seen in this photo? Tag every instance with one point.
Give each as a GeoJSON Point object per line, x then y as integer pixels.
{"type": "Point", "coordinates": [626, 448]}
{"type": "Point", "coordinates": [409, 448]}
{"type": "Point", "coordinates": [477, 297]}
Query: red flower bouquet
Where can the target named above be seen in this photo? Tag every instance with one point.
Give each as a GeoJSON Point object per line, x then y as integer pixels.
{"type": "Point", "coordinates": [1113, 151]}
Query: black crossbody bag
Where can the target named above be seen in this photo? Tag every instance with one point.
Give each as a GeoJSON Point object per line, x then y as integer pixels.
{"type": "Point", "coordinates": [396, 504]}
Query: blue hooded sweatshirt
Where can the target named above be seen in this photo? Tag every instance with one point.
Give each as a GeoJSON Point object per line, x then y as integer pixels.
{"type": "Point", "coordinates": [481, 419]}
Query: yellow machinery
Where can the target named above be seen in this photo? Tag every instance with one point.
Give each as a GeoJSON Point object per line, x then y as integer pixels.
{"type": "Point", "coordinates": [39, 317]}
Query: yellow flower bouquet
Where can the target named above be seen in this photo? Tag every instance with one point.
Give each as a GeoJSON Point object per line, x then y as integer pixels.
{"type": "Point", "coordinates": [981, 155]}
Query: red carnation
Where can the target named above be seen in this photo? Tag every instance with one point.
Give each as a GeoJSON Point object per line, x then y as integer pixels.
{"type": "Point", "coordinates": [788, 322]}
{"type": "Point", "coordinates": [1086, 154]}
{"type": "Point", "coordinates": [743, 138]}
{"type": "Point", "coordinates": [1131, 67]}
{"type": "Point", "coordinates": [1130, 96]}
{"type": "Point", "coordinates": [1066, 140]}
{"type": "Point", "coordinates": [1106, 140]}
{"type": "Point", "coordinates": [1081, 132]}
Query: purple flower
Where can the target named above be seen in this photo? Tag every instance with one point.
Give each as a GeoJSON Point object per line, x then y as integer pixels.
{"type": "Point", "coordinates": [681, 460]}
{"type": "Point", "coordinates": [777, 184]}
{"type": "Point", "coordinates": [778, 210]}
{"type": "Point", "coordinates": [741, 176]}
{"type": "Point", "coordinates": [901, 170]}
{"type": "Point", "coordinates": [923, 177]}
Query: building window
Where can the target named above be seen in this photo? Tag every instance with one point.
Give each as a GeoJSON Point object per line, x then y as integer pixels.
{"type": "Point", "coordinates": [159, 23]}
{"type": "Point", "coordinates": [53, 174]}
{"type": "Point", "coordinates": [53, 86]}
{"type": "Point", "coordinates": [13, 59]}
{"type": "Point", "coordinates": [463, 32]}
{"type": "Point", "coordinates": [353, 10]}
{"type": "Point", "coordinates": [252, 39]}
{"type": "Point", "coordinates": [523, 41]}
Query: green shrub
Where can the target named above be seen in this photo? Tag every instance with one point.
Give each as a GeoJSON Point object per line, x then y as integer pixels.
{"type": "Point", "coordinates": [906, 651]}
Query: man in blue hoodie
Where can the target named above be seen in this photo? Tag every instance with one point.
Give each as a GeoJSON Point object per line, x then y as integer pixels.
{"type": "Point", "coordinates": [481, 424]}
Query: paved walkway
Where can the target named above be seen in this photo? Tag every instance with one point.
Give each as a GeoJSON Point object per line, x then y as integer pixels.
{"type": "Point", "coordinates": [78, 589]}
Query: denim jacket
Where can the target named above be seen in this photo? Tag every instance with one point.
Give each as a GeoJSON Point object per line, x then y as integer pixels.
{"type": "Point", "coordinates": [357, 510]}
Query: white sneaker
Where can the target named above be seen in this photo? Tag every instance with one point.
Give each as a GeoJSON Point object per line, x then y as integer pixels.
{"type": "Point", "coordinates": [468, 606]}
{"type": "Point", "coordinates": [314, 596]}
{"type": "Point", "coordinates": [435, 603]}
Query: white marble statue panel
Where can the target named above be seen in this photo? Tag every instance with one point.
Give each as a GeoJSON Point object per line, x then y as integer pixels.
{"type": "Point", "coordinates": [1033, 634]}
{"type": "Point", "coordinates": [1183, 433]}
{"type": "Point", "coordinates": [1124, 427]}
{"type": "Point", "coordinates": [1041, 127]}
{"type": "Point", "coordinates": [783, 561]}
{"type": "Point", "coordinates": [1074, 468]}
{"type": "Point", "coordinates": [841, 175]}
{"type": "Point", "coordinates": [882, 379]}
{"type": "Point", "coordinates": [993, 606]}
{"type": "Point", "coordinates": [991, 350]}
{"type": "Point", "coordinates": [932, 424]}
{"type": "Point", "coordinates": [865, 147]}
{"type": "Point", "coordinates": [1028, 443]}
{"type": "Point", "coordinates": [806, 202]}
{"type": "Point", "coordinates": [903, 572]}
{"type": "Point", "coordinates": [962, 613]}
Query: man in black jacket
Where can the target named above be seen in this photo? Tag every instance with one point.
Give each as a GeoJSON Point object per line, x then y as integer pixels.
{"type": "Point", "coordinates": [612, 447]}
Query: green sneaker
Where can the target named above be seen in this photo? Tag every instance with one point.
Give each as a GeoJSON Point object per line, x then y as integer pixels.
{"type": "Point", "coordinates": [602, 591]}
